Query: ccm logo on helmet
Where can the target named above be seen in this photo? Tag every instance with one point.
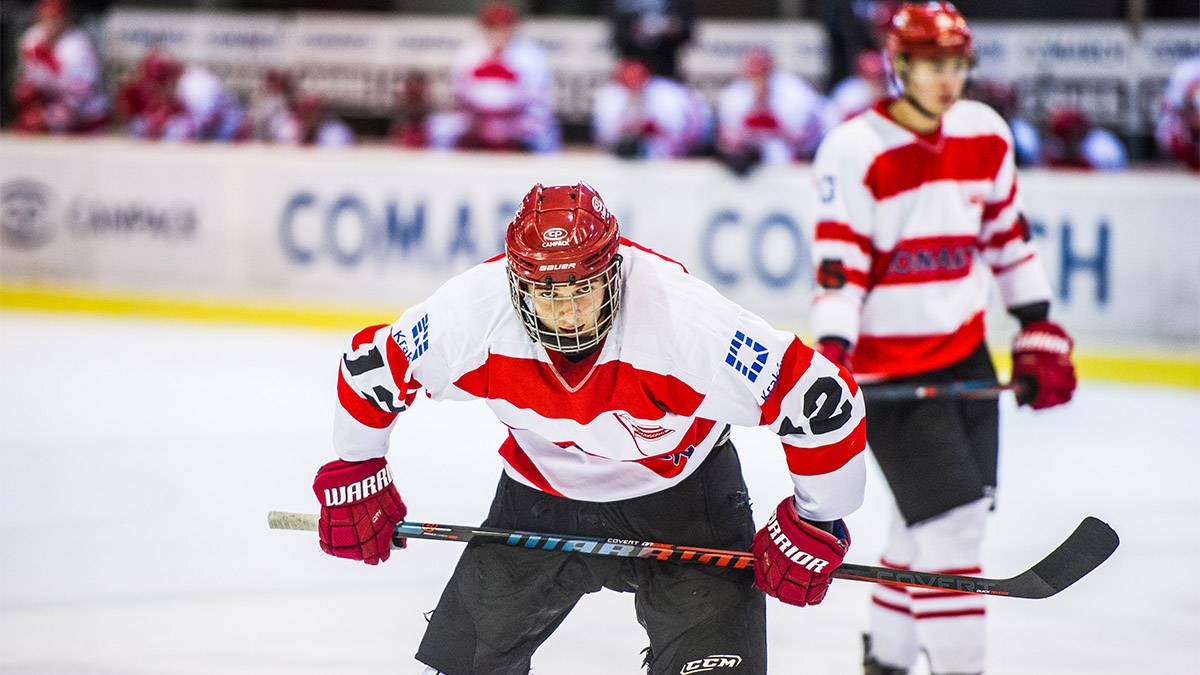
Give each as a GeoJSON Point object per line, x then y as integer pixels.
{"type": "Point", "coordinates": [557, 266]}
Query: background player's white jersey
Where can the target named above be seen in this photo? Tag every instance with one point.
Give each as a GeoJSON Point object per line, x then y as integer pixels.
{"type": "Point", "coordinates": [680, 362]}
{"type": "Point", "coordinates": [784, 126]}
{"type": "Point", "coordinates": [669, 118]}
{"type": "Point", "coordinates": [909, 231]}
{"type": "Point", "coordinates": [504, 97]}
{"type": "Point", "coordinates": [65, 73]}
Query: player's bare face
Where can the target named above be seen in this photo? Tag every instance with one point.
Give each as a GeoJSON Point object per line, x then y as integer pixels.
{"type": "Point", "coordinates": [936, 83]}
{"type": "Point", "coordinates": [498, 37]}
{"type": "Point", "coordinates": [571, 310]}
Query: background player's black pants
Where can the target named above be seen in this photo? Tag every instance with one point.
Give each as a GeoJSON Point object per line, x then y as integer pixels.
{"type": "Point", "coordinates": [502, 602]}
{"type": "Point", "coordinates": [938, 454]}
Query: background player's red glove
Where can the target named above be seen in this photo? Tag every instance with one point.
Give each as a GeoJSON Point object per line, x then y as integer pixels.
{"type": "Point", "coordinates": [1042, 365]}
{"type": "Point", "coordinates": [835, 349]}
{"type": "Point", "coordinates": [359, 509]}
{"type": "Point", "coordinates": [793, 559]}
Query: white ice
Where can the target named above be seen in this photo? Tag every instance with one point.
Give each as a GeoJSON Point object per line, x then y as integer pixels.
{"type": "Point", "coordinates": [138, 460]}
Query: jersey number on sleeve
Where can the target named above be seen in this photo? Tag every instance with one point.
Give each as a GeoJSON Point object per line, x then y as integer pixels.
{"type": "Point", "coordinates": [833, 413]}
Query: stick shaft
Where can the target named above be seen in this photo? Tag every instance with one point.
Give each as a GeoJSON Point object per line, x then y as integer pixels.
{"type": "Point", "coordinates": [1018, 586]}
{"type": "Point", "coordinates": [966, 389]}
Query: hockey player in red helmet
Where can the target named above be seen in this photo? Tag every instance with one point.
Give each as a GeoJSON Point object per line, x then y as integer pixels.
{"type": "Point", "coordinates": [918, 212]}
{"type": "Point", "coordinates": [617, 376]}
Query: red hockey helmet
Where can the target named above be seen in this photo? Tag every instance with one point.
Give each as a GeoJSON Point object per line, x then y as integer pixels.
{"type": "Point", "coordinates": [563, 243]}
{"type": "Point", "coordinates": [495, 14]}
{"type": "Point", "coordinates": [929, 30]}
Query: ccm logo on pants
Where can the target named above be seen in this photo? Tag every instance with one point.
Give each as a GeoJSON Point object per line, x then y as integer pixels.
{"type": "Point", "coordinates": [710, 663]}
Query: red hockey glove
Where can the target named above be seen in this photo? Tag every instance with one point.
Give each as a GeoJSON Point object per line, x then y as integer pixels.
{"type": "Point", "coordinates": [359, 509]}
{"type": "Point", "coordinates": [835, 349]}
{"type": "Point", "coordinates": [1042, 365]}
{"type": "Point", "coordinates": [793, 559]}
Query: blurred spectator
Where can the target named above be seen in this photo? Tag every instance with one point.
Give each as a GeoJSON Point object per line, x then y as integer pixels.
{"type": "Point", "coordinates": [503, 91]}
{"type": "Point", "coordinates": [58, 88]}
{"type": "Point", "coordinates": [271, 100]}
{"type": "Point", "coordinates": [1073, 142]}
{"type": "Point", "coordinates": [653, 32]}
{"type": "Point", "coordinates": [413, 106]}
{"type": "Point", "coordinates": [641, 115]}
{"type": "Point", "coordinates": [767, 116]}
{"type": "Point", "coordinates": [177, 102]}
{"type": "Point", "coordinates": [853, 27]}
{"type": "Point", "coordinates": [1001, 96]}
{"type": "Point", "coordinates": [306, 122]}
{"type": "Point", "coordinates": [1178, 128]}
{"type": "Point", "coordinates": [856, 93]}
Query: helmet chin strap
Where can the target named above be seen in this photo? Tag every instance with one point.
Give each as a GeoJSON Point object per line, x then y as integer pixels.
{"type": "Point", "coordinates": [925, 112]}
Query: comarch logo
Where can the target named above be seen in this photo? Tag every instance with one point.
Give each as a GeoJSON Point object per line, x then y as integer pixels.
{"type": "Point", "coordinates": [24, 214]}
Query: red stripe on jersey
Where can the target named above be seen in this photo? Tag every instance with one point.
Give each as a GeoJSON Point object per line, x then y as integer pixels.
{"type": "Point", "coordinates": [993, 209]}
{"type": "Point", "coordinates": [670, 464]}
{"type": "Point", "coordinates": [954, 158]}
{"type": "Point", "coordinates": [896, 355]}
{"type": "Point", "coordinates": [515, 455]}
{"type": "Point", "coordinates": [1001, 269]}
{"type": "Point", "coordinates": [831, 230]}
{"type": "Point", "coordinates": [887, 605]}
{"type": "Point", "coordinates": [887, 563]}
{"type": "Point", "coordinates": [826, 458]}
{"type": "Point", "coordinates": [532, 385]}
{"type": "Point", "coordinates": [360, 408]}
{"type": "Point", "coordinates": [1000, 239]}
{"type": "Point", "coordinates": [925, 259]}
{"type": "Point", "coordinates": [498, 256]}
{"type": "Point", "coordinates": [651, 251]}
{"type": "Point", "coordinates": [795, 363]}
{"type": "Point", "coordinates": [926, 595]}
{"type": "Point", "coordinates": [946, 614]}
{"type": "Point", "coordinates": [365, 335]}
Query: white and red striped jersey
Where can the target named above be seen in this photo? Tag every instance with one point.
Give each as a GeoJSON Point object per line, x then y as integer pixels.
{"type": "Point", "coordinates": [679, 364]}
{"type": "Point", "coordinates": [783, 125]}
{"type": "Point", "coordinates": [909, 231]}
{"type": "Point", "coordinates": [66, 75]}
{"type": "Point", "coordinates": [505, 96]}
{"type": "Point", "coordinates": [670, 119]}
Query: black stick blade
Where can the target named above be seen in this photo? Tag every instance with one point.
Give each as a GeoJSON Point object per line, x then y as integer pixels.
{"type": "Point", "coordinates": [1088, 546]}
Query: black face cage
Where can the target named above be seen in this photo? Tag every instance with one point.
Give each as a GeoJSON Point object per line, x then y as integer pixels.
{"type": "Point", "coordinates": [522, 291]}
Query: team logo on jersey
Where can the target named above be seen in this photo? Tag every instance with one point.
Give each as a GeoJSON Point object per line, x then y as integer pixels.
{"type": "Point", "coordinates": [24, 220]}
{"type": "Point", "coordinates": [711, 663]}
{"type": "Point", "coordinates": [419, 337]}
{"type": "Point", "coordinates": [641, 431]}
{"type": "Point", "coordinates": [746, 356]}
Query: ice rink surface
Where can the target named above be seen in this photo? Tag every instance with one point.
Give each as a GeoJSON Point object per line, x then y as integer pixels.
{"type": "Point", "coordinates": [138, 460]}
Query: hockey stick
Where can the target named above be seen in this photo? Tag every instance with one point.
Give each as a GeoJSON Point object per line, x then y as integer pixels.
{"type": "Point", "coordinates": [967, 389]}
{"type": "Point", "coordinates": [1089, 545]}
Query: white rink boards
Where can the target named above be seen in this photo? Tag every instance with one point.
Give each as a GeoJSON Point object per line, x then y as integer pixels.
{"type": "Point", "coordinates": [138, 461]}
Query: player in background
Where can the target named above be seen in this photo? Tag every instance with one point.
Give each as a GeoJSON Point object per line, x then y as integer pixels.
{"type": "Point", "coordinates": [767, 116]}
{"type": "Point", "coordinates": [638, 115]}
{"type": "Point", "coordinates": [59, 88]}
{"type": "Point", "coordinates": [503, 91]}
{"type": "Point", "coordinates": [917, 211]}
{"type": "Point", "coordinates": [170, 100]}
{"type": "Point", "coordinates": [1178, 127]}
{"type": "Point", "coordinates": [856, 94]}
{"type": "Point", "coordinates": [617, 375]}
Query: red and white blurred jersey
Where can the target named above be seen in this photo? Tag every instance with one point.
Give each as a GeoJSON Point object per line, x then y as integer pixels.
{"type": "Point", "coordinates": [669, 118]}
{"type": "Point", "coordinates": [66, 74]}
{"type": "Point", "coordinates": [785, 126]}
{"type": "Point", "coordinates": [679, 363]}
{"type": "Point", "coordinates": [505, 97]}
{"type": "Point", "coordinates": [850, 98]}
{"type": "Point", "coordinates": [1178, 128]}
{"type": "Point", "coordinates": [910, 230]}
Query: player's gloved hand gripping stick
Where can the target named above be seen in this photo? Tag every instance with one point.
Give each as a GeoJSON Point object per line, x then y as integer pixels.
{"type": "Point", "coordinates": [1089, 545]}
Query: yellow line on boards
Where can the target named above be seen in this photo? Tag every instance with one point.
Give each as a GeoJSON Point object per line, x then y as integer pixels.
{"type": "Point", "coordinates": [1115, 367]}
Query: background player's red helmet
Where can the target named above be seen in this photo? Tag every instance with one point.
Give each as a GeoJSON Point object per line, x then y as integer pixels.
{"type": "Point", "coordinates": [563, 237]}
{"type": "Point", "coordinates": [495, 14]}
{"type": "Point", "coordinates": [928, 30]}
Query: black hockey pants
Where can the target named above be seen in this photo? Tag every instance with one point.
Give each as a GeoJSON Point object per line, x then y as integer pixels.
{"type": "Point", "coordinates": [502, 603]}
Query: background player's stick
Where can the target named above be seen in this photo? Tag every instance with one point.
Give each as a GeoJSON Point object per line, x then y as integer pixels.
{"type": "Point", "coordinates": [1089, 545]}
{"type": "Point", "coordinates": [967, 389]}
